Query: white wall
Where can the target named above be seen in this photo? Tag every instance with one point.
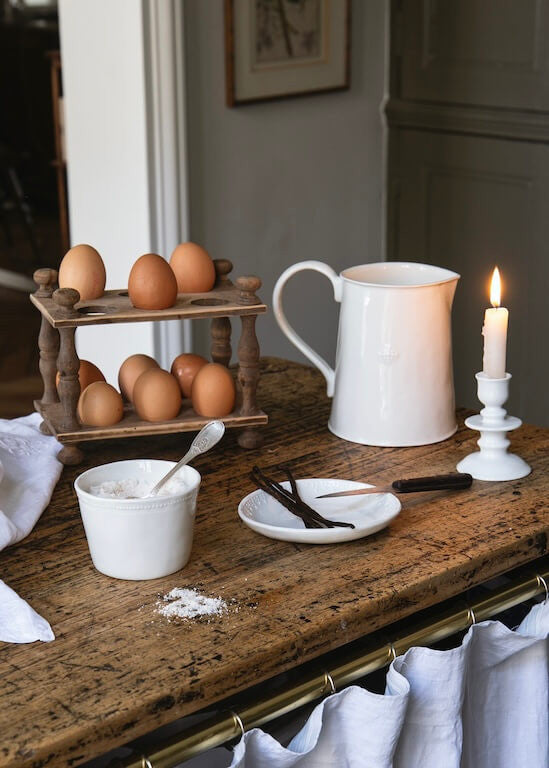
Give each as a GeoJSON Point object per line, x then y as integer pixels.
{"type": "Point", "coordinates": [104, 90]}
{"type": "Point", "coordinates": [276, 183]}
{"type": "Point", "coordinates": [124, 176]}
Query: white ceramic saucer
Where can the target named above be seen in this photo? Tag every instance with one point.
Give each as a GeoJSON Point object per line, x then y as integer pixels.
{"type": "Point", "coordinates": [265, 515]}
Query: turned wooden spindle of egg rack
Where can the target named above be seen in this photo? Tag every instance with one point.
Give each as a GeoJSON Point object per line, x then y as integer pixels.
{"type": "Point", "coordinates": [63, 312]}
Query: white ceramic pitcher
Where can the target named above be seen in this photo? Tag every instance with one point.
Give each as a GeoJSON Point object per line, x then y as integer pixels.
{"type": "Point", "coordinates": [393, 381]}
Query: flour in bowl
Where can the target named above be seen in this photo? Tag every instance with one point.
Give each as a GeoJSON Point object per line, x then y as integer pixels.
{"type": "Point", "coordinates": [189, 603]}
{"type": "Point", "coordinates": [136, 488]}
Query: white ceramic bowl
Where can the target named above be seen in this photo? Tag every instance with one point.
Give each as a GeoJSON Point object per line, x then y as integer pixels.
{"type": "Point", "coordinates": [138, 538]}
{"type": "Point", "coordinates": [369, 513]}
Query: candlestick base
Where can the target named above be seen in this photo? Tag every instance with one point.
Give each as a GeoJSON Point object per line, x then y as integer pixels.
{"type": "Point", "coordinates": [493, 462]}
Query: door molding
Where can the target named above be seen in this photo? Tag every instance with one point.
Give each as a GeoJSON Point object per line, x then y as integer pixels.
{"type": "Point", "coordinates": [514, 124]}
{"type": "Point", "coordinates": [166, 109]}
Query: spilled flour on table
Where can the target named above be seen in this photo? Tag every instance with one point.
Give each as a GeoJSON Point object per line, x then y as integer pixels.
{"type": "Point", "coordinates": [189, 604]}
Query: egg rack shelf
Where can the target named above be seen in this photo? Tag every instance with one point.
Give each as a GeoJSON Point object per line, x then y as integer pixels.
{"type": "Point", "coordinates": [63, 312]}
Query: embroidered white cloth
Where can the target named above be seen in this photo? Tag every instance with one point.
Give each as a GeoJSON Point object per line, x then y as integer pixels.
{"type": "Point", "coordinates": [482, 705]}
{"type": "Point", "coordinates": [31, 471]}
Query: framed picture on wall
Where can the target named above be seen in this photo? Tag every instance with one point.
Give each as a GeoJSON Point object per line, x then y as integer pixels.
{"type": "Point", "coordinates": [280, 48]}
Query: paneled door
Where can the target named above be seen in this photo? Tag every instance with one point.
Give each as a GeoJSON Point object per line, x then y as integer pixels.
{"type": "Point", "coordinates": [468, 172]}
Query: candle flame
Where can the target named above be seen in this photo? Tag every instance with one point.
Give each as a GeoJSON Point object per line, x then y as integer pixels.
{"type": "Point", "coordinates": [495, 288]}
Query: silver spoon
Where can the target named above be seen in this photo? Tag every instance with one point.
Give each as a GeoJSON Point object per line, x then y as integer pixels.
{"type": "Point", "coordinates": [208, 436]}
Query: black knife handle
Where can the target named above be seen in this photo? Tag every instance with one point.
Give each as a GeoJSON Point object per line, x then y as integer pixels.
{"type": "Point", "coordinates": [454, 482]}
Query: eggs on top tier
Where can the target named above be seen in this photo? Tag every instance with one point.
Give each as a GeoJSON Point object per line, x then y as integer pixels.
{"type": "Point", "coordinates": [82, 268]}
{"type": "Point", "coordinates": [193, 268]}
{"type": "Point", "coordinates": [152, 283]}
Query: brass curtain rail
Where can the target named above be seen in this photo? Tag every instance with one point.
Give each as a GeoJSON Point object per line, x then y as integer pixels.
{"type": "Point", "coordinates": [227, 726]}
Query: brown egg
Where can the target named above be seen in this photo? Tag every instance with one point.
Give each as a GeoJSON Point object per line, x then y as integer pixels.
{"type": "Point", "coordinates": [184, 368]}
{"type": "Point", "coordinates": [156, 395]}
{"type": "Point", "coordinates": [152, 283]}
{"type": "Point", "coordinates": [82, 268]}
{"type": "Point", "coordinates": [87, 374]}
{"type": "Point", "coordinates": [213, 391]}
{"type": "Point", "coordinates": [100, 405]}
{"type": "Point", "coordinates": [130, 370]}
{"type": "Point", "coordinates": [193, 268]}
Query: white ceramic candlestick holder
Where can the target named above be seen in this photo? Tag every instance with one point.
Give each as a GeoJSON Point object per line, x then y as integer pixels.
{"type": "Point", "coordinates": [493, 462]}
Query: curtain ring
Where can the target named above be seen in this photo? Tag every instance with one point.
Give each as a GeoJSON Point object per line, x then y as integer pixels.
{"type": "Point", "coordinates": [329, 681]}
{"type": "Point", "coordinates": [237, 721]}
{"type": "Point", "coordinates": [392, 653]}
{"type": "Point", "coordinates": [145, 762]}
{"type": "Point", "coordinates": [543, 583]}
{"type": "Point", "coordinates": [471, 616]}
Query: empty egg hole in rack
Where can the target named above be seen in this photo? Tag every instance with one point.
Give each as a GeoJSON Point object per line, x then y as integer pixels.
{"type": "Point", "coordinates": [95, 310]}
{"type": "Point", "coordinates": [209, 302]}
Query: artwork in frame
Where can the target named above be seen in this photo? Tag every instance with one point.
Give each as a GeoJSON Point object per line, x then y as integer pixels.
{"type": "Point", "coordinates": [280, 48]}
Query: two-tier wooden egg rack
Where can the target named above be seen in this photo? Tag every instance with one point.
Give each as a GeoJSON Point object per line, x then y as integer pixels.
{"type": "Point", "coordinates": [63, 312]}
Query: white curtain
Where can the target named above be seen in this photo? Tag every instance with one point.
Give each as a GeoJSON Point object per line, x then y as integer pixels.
{"type": "Point", "coordinates": [482, 705]}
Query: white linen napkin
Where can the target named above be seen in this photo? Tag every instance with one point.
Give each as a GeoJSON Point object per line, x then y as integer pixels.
{"type": "Point", "coordinates": [31, 471]}
{"type": "Point", "coordinates": [19, 623]}
{"type": "Point", "coordinates": [480, 705]}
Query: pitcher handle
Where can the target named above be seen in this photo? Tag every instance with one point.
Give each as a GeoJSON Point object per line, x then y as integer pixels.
{"type": "Point", "coordinates": [286, 328]}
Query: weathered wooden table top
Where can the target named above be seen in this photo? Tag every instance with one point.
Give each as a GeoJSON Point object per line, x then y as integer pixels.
{"type": "Point", "coordinates": [117, 669]}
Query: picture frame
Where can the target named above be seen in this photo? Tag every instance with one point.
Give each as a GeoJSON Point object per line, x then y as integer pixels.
{"type": "Point", "coordinates": [278, 49]}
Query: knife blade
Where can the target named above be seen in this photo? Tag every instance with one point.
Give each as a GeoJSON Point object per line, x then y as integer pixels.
{"type": "Point", "coordinates": [455, 482]}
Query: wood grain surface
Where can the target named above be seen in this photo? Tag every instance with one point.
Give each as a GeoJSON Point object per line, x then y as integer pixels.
{"type": "Point", "coordinates": [116, 307]}
{"type": "Point", "coordinates": [131, 425]}
{"type": "Point", "coordinates": [117, 669]}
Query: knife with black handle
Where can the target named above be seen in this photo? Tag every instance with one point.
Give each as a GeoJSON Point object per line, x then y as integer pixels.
{"type": "Point", "coordinates": [457, 481]}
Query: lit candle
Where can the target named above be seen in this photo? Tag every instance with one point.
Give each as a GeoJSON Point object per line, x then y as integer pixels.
{"type": "Point", "coordinates": [495, 332]}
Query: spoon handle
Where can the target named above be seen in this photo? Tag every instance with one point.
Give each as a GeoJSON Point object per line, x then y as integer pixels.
{"type": "Point", "coordinates": [208, 436]}
{"type": "Point", "coordinates": [186, 458]}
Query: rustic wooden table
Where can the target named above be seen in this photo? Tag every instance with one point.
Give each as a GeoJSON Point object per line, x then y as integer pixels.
{"type": "Point", "coordinates": [117, 669]}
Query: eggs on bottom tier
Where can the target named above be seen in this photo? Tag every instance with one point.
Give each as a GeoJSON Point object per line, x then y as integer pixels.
{"type": "Point", "coordinates": [213, 391]}
{"type": "Point", "coordinates": [155, 394]}
{"type": "Point", "coordinates": [100, 405]}
{"type": "Point", "coordinates": [184, 368]}
{"type": "Point", "coordinates": [130, 370]}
